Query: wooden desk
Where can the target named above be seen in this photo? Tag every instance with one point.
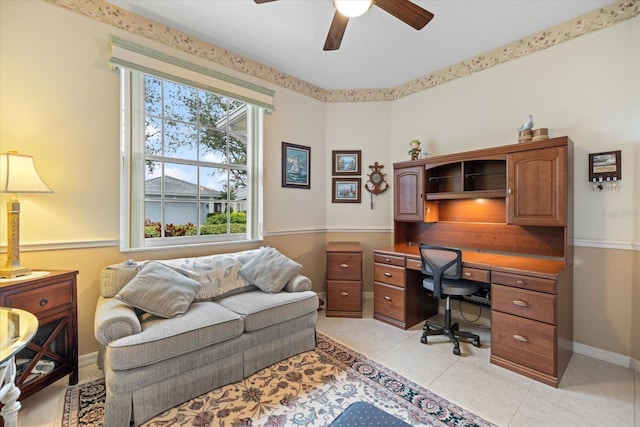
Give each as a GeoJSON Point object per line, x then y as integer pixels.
{"type": "Point", "coordinates": [531, 306]}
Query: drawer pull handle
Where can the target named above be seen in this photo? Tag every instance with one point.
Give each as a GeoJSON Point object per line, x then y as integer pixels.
{"type": "Point", "coordinates": [387, 260]}
{"type": "Point", "coordinates": [344, 265]}
{"type": "Point", "coordinates": [520, 303]}
{"type": "Point", "coordinates": [43, 302]}
{"type": "Point", "coordinates": [419, 264]}
{"type": "Point", "coordinates": [344, 294]}
{"type": "Point", "coordinates": [467, 274]}
{"type": "Point", "coordinates": [387, 274]}
{"type": "Point", "coordinates": [520, 282]}
{"type": "Point", "coordinates": [387, 298]}
{"type": "Point", "coordinates": [520, 338]}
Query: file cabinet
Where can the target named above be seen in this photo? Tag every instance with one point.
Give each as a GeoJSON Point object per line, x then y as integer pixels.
{"type": "Point", "coordinates": [344, 279]}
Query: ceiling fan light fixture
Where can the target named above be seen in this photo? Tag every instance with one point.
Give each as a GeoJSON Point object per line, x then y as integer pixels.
{"type": "Point", "coordinates": [352, 8]}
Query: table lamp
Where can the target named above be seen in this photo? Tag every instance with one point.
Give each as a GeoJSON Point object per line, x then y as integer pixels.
{"type": "Point", "coordinates": [17, 175]}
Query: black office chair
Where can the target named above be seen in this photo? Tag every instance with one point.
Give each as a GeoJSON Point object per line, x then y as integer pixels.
{"type": "Point", "coordinates": [443, 267]}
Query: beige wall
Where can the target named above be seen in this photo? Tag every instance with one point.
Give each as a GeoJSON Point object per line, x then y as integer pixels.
{"type": "Point", "coordinates": [59, 102]}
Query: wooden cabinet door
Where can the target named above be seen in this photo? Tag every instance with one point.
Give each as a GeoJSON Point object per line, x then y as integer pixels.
{"type": "Point", "coordinates": [537, 187]}
{"type": "Point", "coordinates": [408, 199]}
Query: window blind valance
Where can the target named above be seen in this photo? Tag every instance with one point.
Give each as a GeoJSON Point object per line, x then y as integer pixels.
{"type": "Point", "coordinates": [130, 55]}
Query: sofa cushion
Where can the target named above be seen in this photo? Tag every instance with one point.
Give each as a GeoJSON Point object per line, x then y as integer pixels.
{"type": "Point", "coordinates": [113, 277]}
{"type": "Point", "coordinates": [204, 324]}
{"type": "Point", "coordinates": [270, 270]}
{"type": "Point", "coordinates": [218, 275]}
{"type": "Point", "coordinates": [259, 309]}
{"type": "Point", "coordinates": [159, 290]}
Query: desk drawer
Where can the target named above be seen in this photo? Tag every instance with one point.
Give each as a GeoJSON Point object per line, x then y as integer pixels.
{"type": "Point", "coordinates": [414, 263]}
{"type": "Point", "coordinates": [388, 259]}
{"type": "Point", "coordinates": [524, 341]}
{"type": "Point", "coordinates": [525, 282]}
{"type": "Point", "coordinates": [344, 296]}
{"type": "Point", "coordinates": [389, 301]}
{"type": "Point", "coordinates": [389, 274]}
{"type": "Point", "coordinates": [524, 303]}
{"type": "Point", "coordinates": [39, 300]}
{"type": "Point", "coordinates": [344, 266]}
{"type": "Point", "coordinates": [476, 274]}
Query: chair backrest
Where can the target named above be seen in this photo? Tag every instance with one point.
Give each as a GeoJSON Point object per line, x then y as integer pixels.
{"type": "Point", "coordinates": [440, 262]}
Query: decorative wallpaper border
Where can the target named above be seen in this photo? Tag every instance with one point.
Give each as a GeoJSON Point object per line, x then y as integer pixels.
{"type": "Point", "coordinates": [107, 13]}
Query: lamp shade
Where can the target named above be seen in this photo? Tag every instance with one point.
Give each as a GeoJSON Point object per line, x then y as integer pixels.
{"type": "Point", "coordinates": [18, 175]}
{"type": "Point", "coordinates": [352, 8]}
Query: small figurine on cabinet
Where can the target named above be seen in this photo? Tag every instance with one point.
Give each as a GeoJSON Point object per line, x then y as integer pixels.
{"type": "Point", "coordinates": [415, 149]}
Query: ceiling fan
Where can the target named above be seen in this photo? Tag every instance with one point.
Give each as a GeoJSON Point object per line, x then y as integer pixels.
{"type": "Point", "coordinates": [406, 11]}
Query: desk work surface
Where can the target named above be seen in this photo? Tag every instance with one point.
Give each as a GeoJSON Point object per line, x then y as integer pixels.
{"type": "Point", "coordinates": [492, 261]}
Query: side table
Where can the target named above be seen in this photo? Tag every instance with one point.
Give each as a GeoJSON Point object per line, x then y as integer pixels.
{"type": "Point", "coordinates": [53, 352]}
{"type": "Point", "coordinates": [17, 328]}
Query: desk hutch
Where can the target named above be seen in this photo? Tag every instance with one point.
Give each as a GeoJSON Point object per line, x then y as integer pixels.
{"type": "Point", "coordinates": [510, 209]}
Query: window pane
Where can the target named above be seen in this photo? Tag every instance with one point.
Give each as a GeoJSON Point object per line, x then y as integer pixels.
{"type": "Point", "coordinates": [213, 182]}
{"type": "Point", "coordinates": [180, 102]}
{"type": "Point", "coordinates": [213, 147]}
{"type": "Point", "coordinates": [153, 95]}
{"type": "Point", "coordinates": [180, 181]}
{"type": "Point", "coordinates": [180, 140]}
{"type": "Point", "coordinates": [180, 219]}
{"type": "Point", "coordinates": [212, 109]}
{"type": "Point", "coordinates": [237, 146]}
{"type": "Point", "coordinates": [153, 136]}
{"type": "Point", "coordinates": [153, 219]}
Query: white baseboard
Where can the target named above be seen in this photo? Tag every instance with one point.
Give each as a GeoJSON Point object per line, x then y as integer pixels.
{"type": "Point", "coordinates": [87, 359]}
{"type": "Point", "coordinates": [607, 356]}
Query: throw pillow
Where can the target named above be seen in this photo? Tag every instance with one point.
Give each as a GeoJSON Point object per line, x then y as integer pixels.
{"type": "Point", "coordinates": [270, 270]}
{"type": "Point", "coordinates": [159, 290]}
{"type": "Point", "coordinates": [217, 274]}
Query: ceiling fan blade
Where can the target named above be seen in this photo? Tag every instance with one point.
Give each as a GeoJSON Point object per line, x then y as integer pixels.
{"type": "Point", "coordinates": [263, 1]}
{"type": "Point", "coordinates": [406, 11]}
{"type": "Point", "coordinates": [336, 31]}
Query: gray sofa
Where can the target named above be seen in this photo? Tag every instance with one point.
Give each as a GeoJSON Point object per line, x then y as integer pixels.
{"type": "Point", "coordinates": [239, 321]}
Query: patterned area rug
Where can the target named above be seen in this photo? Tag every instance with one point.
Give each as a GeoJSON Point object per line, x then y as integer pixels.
{"type": "Point", "coordinates": [309, 389]}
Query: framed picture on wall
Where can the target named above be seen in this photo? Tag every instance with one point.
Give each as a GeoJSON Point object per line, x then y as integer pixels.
{"type": "Point", "coordinates": [296, 166]}
{"type": "Point", "coordinates": [605, 166]}
{"type": "Point", "coordinates": [346, 190]}
{"type": "Point", "coordinates": [346, 162]}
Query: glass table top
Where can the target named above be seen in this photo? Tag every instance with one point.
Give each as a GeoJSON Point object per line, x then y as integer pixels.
{"type": "Point", "coordinates": [17, 328]}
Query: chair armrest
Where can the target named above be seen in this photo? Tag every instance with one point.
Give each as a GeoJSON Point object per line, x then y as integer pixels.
{"type": "Point", "coordinates": [299, 283]}
{"type": "Point", "coordinates": [114, 319]}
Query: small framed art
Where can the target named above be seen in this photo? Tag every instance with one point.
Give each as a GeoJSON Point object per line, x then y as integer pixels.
{"type": "Point", "coordinates": [346, 162]}
{"type": "Point", "coordinates": [346, 190]}
{"type": "Point", "coordinates": [605, 166]}
{"type": "Point", "coordinates": [296, 166]}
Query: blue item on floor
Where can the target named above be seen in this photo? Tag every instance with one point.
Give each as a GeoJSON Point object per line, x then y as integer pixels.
{"type": "Point", "coordinates": [366, 415]}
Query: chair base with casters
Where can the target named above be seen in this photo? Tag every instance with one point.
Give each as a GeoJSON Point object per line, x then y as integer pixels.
{"type": "Point", "coordinates": [449, 330]}
{"type": "Point", "coordinates": [443, 267]}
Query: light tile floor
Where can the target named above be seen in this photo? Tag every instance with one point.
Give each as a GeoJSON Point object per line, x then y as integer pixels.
{"type": "Point", "coordinates": [592, 392]}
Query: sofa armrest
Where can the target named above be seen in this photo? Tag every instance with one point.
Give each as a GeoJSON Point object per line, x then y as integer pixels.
{"type": "Point", "coordinates": [114, 319]}
{"type": "Point", "coordinates": [299, 283]}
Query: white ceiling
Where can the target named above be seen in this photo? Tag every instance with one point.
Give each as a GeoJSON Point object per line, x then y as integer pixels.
{"type": "Point", "coordinates": [377, 51]}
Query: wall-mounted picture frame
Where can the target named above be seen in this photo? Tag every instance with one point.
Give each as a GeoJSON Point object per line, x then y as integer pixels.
{"type": "Point", "coordinates": [296, 166]}
{"type": "Point", "coordinates": [345, 190]}
{"type": "Point", "coordinates": [605, 166]}
{"type": "Point", "coordinates": [346, 162]}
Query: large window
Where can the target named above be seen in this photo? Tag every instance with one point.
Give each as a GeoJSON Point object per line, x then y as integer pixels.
{"type": "Point", "coordinates": [191, 164]}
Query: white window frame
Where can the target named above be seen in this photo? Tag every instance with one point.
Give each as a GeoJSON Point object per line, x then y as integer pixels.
{"type": "Point", "coordinates": [132, 166]}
